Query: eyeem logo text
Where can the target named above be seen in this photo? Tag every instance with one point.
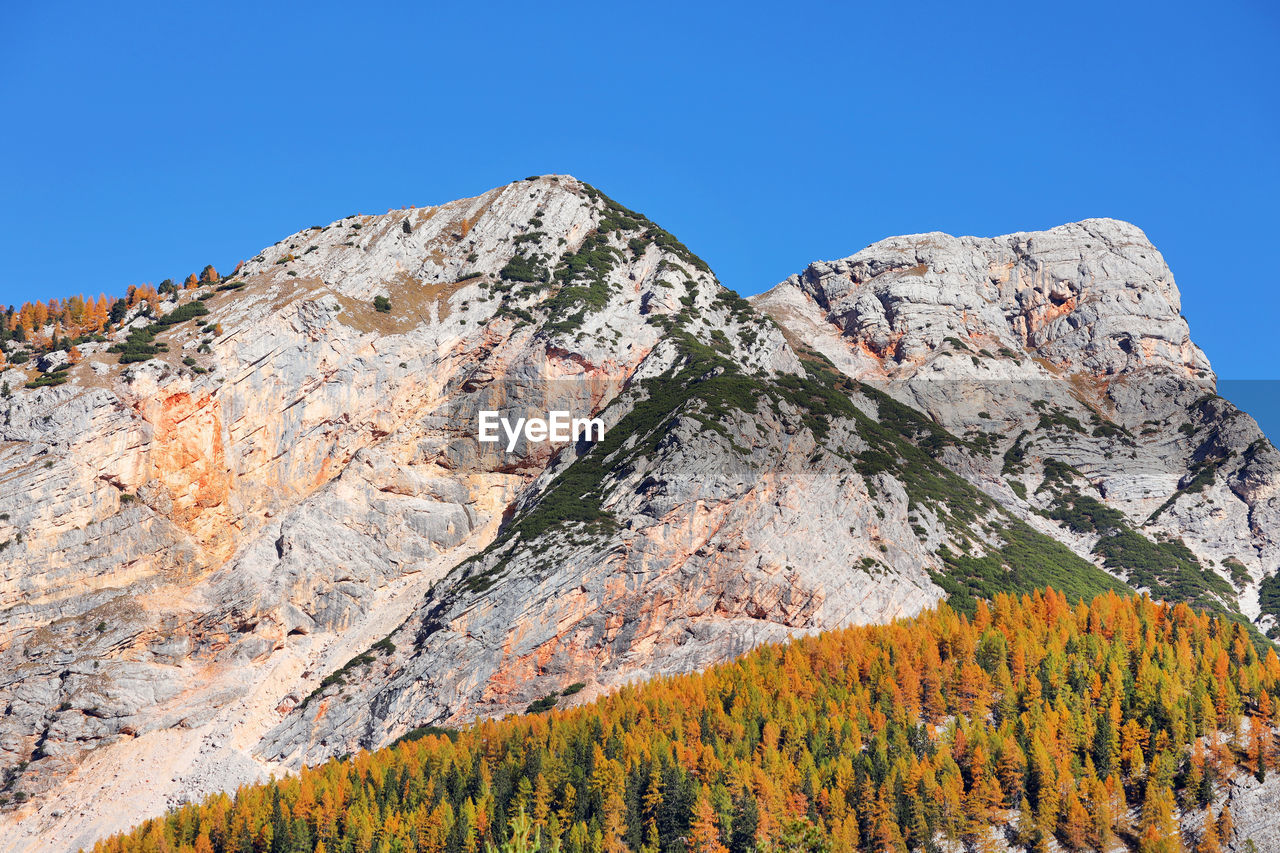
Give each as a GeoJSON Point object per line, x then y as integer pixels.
{"type": "Point", "coordinates": [556, 427]}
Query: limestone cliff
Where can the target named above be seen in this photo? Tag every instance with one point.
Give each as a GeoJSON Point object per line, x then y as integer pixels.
{"type": "Point", "coordinates": [1065, 355]}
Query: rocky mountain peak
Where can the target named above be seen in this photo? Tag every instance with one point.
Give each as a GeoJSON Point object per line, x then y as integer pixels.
{"type": "Point", "coordinates": [1091, 296]}
{"type": "Point", "coordinates": [248, 482]}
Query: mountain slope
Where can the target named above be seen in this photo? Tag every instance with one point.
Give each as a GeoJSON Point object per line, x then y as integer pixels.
{"type": "Point", "coordinates": [1065, 353]}
{"type": "Point", "coordinates": [266, 535]}
{"type": "Point", "coordinates": [1114, 725]}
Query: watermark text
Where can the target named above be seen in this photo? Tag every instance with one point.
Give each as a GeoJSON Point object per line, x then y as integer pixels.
{"type": "Point", "coordinates": [556, 427]}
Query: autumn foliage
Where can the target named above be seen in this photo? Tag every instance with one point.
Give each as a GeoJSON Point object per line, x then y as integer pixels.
{"type": "Point", "coordinates": [1035, 719]}
{"type": "Point", "coordinates": [58, 323]}
{"type": "Point", "coordinates": [74, 315]}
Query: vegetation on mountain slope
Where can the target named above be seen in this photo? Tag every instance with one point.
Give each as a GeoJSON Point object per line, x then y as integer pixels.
{"type": "Point", "coordinates": [56, 325]}
{"type": "Point", "coordinates": [579, 283]}
{"type": "Point", "coordinates": [1025, 560]}
{"type": "Point", "coordinates": [1167, 568]}
{"type": "Point", "coordinates": [1037, 720]}
{"type": "Point", "coordinates": [707, 384]}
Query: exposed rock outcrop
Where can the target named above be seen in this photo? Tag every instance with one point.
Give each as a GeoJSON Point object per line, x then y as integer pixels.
{"type": "Point", "coordinates": [1067, 349]}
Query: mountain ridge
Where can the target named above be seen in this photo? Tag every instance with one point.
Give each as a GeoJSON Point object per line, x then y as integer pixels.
{"type": "Point", "coordinates": [310, 525]}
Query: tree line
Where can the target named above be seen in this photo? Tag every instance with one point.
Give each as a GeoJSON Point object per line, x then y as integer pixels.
{"type": "Point", "coordinates": [1032, 721]}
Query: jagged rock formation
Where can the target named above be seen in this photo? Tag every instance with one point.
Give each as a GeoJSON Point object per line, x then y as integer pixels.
{"type": "Point", "coordinates": [1065, 355]}
{"type": "Point", "coordinates": [292, 546]}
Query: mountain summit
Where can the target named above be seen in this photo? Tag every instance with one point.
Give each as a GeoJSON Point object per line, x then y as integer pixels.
{"type": "Point", "coordinates": [253, 526]}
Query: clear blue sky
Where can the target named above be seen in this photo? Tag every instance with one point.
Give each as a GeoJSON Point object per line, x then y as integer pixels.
{"type": "Point", "coordinates": [142, 141]}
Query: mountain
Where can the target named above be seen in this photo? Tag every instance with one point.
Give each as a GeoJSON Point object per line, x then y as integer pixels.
{"type": "Point", "coordinates": [1021, 729]}
{"type": "Point", "coordinates": [1071, 342]}
{"type": "Point", "coordinates": [262, 533]}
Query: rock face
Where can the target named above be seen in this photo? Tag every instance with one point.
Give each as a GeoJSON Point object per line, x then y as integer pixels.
{"type": "Point", "coordinates": [1093, 295]}
{"type": "Point", "coordinates": [280, 540]}
{"type": "Point", "coordinates": [1065, 355]}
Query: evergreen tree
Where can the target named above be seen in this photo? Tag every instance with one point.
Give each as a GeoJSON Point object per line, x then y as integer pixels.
{"type": "Point", "coordinates": [705, 836]}
{"type": "Point", "coordinates": [814, 745]}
